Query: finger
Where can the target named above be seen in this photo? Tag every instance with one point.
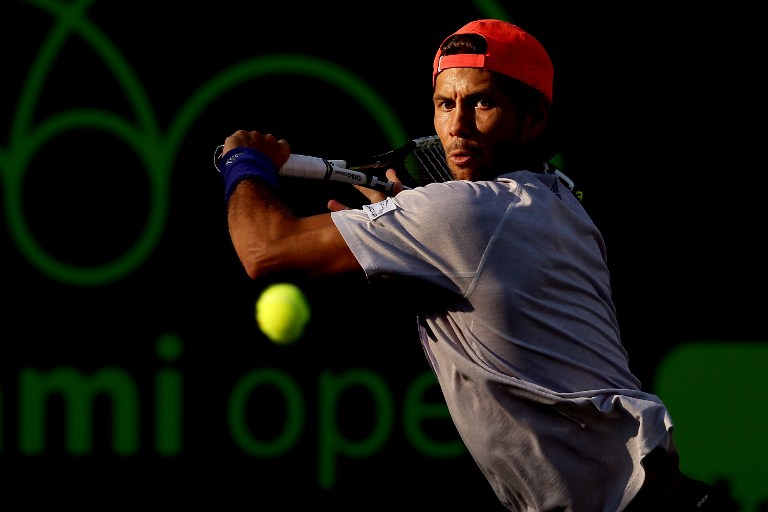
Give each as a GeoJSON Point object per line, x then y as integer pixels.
{"type": "Point", "coordinates": [283, 152]}
{"type": "Point", "coordinates": [335, 206]}
{"type": "Point", "coordinates": [373, 196]}
{"type": "Point", "coordinates": [392, 175]}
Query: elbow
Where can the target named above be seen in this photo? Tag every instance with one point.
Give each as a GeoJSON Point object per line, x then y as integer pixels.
{"type": "Point", "coordinates": [262, 261]}
{"type": "Point", "coordinates": [256, 256]}
{"type": "Point", "coordinates": [253, 271]}
{"type": "Point", "coordinates": [254, 266]}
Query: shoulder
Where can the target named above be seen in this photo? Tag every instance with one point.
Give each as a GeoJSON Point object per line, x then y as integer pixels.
{"type": "Point", "coordinates": [459, 190]}
{"type": "Point", "coordinates": [546, 186]}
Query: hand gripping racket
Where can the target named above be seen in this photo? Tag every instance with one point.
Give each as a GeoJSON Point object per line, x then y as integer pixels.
{"type": "Point", "coordinates": [423, 160]}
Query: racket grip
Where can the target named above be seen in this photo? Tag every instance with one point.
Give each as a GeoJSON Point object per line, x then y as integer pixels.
{"type": "Point", "coordinates": [315, 168]}
{"type": "Point", "coordinates": [310, 167]}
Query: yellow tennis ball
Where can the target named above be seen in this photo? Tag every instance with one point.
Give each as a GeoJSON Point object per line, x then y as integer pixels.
{"type": "Point", "coordinates": [282, 312]}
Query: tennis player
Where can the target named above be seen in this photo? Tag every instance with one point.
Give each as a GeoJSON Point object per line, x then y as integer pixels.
{"type": "Point", "coordinates": [523, 336]}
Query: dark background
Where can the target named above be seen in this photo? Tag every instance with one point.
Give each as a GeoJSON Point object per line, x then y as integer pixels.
{"type": "Point", "coordinates": [659, 116]}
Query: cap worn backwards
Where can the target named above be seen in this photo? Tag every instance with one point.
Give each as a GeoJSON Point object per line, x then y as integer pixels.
{"type": "Point", "coordinates": [510, 51]}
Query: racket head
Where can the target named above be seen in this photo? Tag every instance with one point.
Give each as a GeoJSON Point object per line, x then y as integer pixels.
{"type": "Point", "coordinates": [418, 162]}
{"type": "Point", "coordinates": [426, 162]}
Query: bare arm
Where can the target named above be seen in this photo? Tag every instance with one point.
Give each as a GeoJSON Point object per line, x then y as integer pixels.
{"type": "Point", "coordinates": [267, 237]}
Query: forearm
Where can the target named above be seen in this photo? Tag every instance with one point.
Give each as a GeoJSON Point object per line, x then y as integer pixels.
{"type": "Point", "coordinates": [268, 239]}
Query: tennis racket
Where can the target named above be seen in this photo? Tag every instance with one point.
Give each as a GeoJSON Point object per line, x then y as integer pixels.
{"type": "Point", "coordinates": [423, 159]}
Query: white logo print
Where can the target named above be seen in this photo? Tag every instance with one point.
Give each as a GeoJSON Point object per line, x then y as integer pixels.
{"type": "Point", "coordinates": [378, 209]}
{"type": "Point", "coordinates": [233, 158]}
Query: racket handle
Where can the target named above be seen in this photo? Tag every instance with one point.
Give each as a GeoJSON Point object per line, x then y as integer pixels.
{"type": "Point", "coordinates": [315, 168]}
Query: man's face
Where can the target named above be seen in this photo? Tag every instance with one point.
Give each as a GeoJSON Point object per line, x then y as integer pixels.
{"type": "Point", "coordinates": [477, 123]}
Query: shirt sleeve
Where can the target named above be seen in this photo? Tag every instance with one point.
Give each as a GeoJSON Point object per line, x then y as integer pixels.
{"type": "Point", "coordinates": [435, 233]}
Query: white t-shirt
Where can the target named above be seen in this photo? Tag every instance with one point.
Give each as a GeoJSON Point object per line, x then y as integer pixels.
{"type": "Point", "coordinates": [520, 328]}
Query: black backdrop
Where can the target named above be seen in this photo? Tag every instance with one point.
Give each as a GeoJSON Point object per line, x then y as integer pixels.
{"type": "Point", "coordinates": [653, 113]}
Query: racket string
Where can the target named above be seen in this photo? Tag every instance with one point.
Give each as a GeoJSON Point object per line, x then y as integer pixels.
{"type": "Point", "coordinates": [430, 157]}
{"type": "Point", "coordinates": [432, 161]}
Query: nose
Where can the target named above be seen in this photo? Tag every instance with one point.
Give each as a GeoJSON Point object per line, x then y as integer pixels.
{"type": "Point", "coordinates": [462, 121]}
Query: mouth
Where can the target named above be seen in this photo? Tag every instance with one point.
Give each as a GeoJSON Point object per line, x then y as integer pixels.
{"type": "Point", "coordinates": [462, 156]}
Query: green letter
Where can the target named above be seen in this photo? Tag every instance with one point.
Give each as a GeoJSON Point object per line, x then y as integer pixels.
{"type": "Point", "coordinates": [168, 402]}
{"type": "Point", "coordinates": [416, 412]}
{"type": "Point", "coordinates": [330, 440]}
{"type": "Point", "coordinates": [78, 394]}
{"type": "Point", "coordinates": [238, 412]}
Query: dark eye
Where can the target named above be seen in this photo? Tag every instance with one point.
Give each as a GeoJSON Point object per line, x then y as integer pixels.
{"type": "Point", "coordinates": [484, 103]}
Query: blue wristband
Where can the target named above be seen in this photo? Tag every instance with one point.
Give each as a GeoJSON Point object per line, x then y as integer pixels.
{"type": "Point", "coordinates": [244, 163]}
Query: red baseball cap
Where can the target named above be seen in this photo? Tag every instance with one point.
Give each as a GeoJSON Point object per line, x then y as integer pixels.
{"type": "Point", "coordinates": [511, 51]}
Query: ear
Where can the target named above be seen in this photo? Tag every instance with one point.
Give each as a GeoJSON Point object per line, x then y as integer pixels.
{"type": "Point", "coordinates": [538, 117]}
